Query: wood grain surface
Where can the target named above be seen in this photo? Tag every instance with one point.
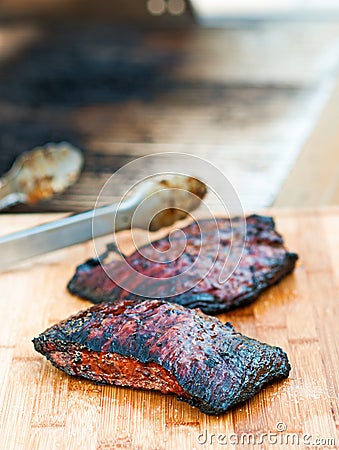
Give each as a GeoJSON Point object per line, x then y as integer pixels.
{"type": "Point", "coordinates": [42, 408]}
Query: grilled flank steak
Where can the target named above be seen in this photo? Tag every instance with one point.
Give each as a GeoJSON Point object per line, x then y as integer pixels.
{"type": "Point", "coordinates": [166, 347]}
{"type": "Point", "coordinates": [264, 262]}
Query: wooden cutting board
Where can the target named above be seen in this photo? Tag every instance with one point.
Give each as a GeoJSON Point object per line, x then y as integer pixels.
{"type": "Point", "coordinates": [42, 408]}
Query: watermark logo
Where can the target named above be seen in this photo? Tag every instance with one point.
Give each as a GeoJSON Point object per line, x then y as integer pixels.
{"type": "Point", "coordinates": [158, 189]}
{"type": "Point", "coordinates": [280, 436]}
{"type": "Point", "coordinates": [281, 426]}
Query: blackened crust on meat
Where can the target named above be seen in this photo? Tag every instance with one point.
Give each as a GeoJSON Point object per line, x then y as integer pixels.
{"type": "Point", "coordinates": [163, 346]}
{"type": "Point", "coordinates": [264, 262]}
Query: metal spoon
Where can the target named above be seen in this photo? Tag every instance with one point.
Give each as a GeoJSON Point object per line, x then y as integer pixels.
{"type": "Point", "coordinates": [40, 173]}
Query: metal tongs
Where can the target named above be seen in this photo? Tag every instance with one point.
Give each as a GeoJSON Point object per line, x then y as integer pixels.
{"type": "Point", "coordinates": [40, 173]}
{"type": "Point", "coordinates": [152, 205]}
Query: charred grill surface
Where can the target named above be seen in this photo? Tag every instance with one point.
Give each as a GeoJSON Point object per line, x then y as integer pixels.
{"type": "Point", "coordinates": [163, 346]}
{"type": "Point", "coordinates": [264, 262]}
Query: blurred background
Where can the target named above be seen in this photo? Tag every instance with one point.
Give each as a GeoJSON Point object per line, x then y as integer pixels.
{"type": "Point", "coordinates": [250, 86]}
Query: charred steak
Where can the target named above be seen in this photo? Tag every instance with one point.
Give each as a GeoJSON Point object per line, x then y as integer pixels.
{"type": "Point", "coordinates": [264, 262]}
{"type": "Point", "coordinates": [163, 346]}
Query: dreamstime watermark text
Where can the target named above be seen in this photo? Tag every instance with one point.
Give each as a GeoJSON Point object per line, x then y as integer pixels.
{"type": "Point", "coordinates": [278, 437]}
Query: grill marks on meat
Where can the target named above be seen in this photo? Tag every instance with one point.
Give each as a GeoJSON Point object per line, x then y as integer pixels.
{"type": "Point", "coordinates": [163, 346]}
{"type": "Point", "coordinates": [264, 262]}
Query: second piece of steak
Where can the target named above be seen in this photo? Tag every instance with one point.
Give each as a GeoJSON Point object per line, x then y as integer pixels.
{"type": "Point", "coordinates": [264, 262]}
{"type": "Point", "coordinates": [163, 346]}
